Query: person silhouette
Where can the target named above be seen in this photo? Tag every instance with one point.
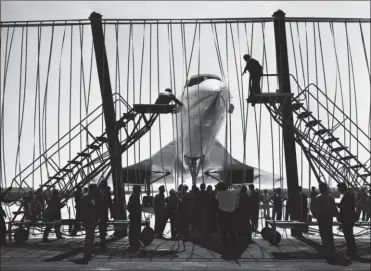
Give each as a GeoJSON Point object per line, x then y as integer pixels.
{"type": "Point", "coordinates": [256, 72]}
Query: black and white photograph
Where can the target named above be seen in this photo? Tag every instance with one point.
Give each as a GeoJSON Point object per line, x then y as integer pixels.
{"type": "Point", "coordinates": [185, 135]}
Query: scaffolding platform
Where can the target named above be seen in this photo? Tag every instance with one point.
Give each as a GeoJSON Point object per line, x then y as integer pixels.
{"type": "Point", "coordinates": [154, 108]}
{"type": "Point", "coordinates": [269, 98]}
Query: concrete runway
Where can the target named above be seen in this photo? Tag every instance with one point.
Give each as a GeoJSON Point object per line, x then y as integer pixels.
{"type": "Point", "coordinates": [290, 254]}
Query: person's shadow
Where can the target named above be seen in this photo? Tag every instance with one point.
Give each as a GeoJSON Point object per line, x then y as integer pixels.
{"type": "Point", "coordinates": [361, 259]}
{"type": "Point", "coordinates": [76, 250]}
{"type": "Point", "coordinates": [237, 252]}
{"type": "Point", "coordinates": [338, 259]}
{"type": "Point", "coordinates": [80, 261]}
{"type": "Point", "coordinates": [214, 244]}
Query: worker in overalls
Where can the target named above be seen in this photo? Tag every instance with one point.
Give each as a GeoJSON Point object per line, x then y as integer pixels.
{"type": "Point", "coordinates": [256, 72]}
{"type": "Point", "coordinates": [167, 97]}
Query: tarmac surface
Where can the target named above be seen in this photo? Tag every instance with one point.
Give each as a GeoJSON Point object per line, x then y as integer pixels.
{"type": "Point", "coordinates": [290, 254]}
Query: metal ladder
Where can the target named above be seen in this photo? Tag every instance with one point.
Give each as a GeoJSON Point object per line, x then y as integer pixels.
{"type": "Point", "coordinates": [73, 175]}
{"type": "Point", "coordinates": [325, 152]}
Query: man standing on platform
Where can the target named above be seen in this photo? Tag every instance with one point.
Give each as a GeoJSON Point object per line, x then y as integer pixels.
{"type": "Point", "coordinates": [256, 72]}
{"type": "Point", "coordinates": [166, 97]}
{"type": "Point", "coordinates": [326, 211]}
{"type": "Point", "coordinates": [347, 217]}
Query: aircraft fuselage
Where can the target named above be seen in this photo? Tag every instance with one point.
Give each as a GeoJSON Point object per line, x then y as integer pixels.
{"type": "Point", "coordinates": [205, 108]}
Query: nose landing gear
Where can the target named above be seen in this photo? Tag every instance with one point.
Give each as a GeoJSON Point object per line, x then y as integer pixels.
{"type": "Point", "coordinates": [194, 164]}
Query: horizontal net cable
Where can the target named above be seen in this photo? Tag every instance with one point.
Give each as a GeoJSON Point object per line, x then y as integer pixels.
{"type": "Point", "coordinates": [179, 21]}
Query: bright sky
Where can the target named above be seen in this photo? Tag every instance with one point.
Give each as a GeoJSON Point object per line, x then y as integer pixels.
{"type": "Point", "coordinates": [146, 89]}
{"type": "Point", "coordinates": [45, 10]}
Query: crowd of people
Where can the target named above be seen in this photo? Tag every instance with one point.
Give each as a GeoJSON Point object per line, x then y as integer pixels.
{"type": "Point", "coordinates": [204, 210]}
{"type": "Point", "coordinates": [198, 210]}
{"type": "Point", "coordinates": [91, 205]}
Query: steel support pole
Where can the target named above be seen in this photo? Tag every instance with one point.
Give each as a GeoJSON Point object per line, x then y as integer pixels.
{"type": "Point", "coordinates": [288, 134]}
{"type": "Point", "coordinates": [114, 145]}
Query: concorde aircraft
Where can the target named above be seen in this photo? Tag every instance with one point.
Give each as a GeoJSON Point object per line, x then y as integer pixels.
{"type": "Point", "coordinates": [196, 156]}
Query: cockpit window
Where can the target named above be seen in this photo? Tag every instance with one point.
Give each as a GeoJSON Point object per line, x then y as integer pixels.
{"type": "Point", "coordinates": [212, 77]}
{"type": "Point", "coordinates": [195, 81]}
{"type": "Point", "coordinates": [199, 79]}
